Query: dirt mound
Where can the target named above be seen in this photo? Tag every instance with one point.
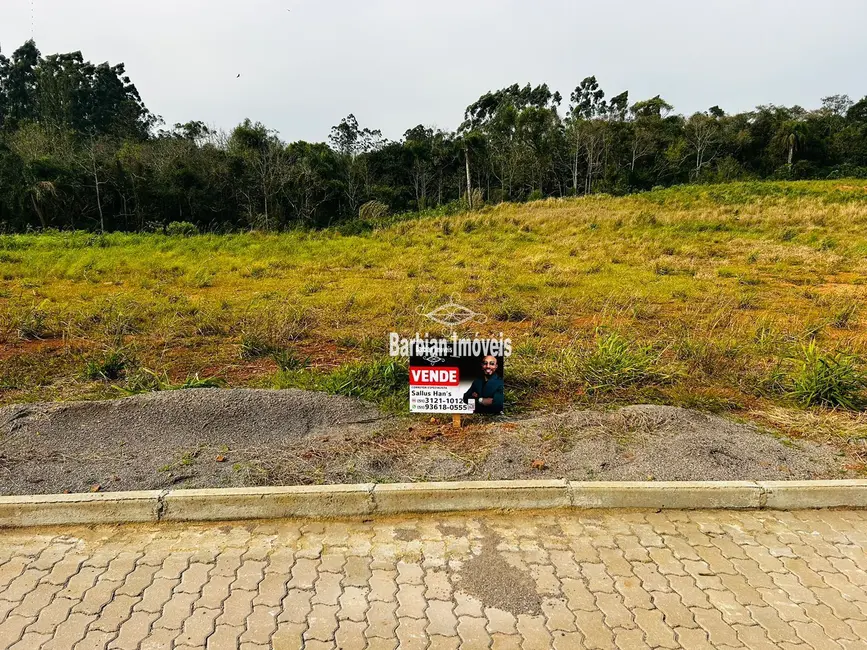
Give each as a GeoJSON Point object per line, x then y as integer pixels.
{"type": "Point", "coordinates": [645, 442]}
{"type": "Point", "coordinates": [159, 439]}
{"type": "Point", "coordinates": [232, 438]}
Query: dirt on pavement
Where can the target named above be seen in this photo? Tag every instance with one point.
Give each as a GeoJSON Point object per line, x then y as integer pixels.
{"type": "Point", "coordinates": [232, 438]}
{"type": "Point", "coordinates": [493, 581]}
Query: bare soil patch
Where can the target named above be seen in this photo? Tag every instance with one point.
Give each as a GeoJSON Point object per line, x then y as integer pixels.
{"type": "Point", "coordinates": [488, 577]}
{"type": "Point", "coordinates": [234, 438]}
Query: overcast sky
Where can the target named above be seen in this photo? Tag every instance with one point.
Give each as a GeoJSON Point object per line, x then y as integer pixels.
{"type": "Point", "coordinates": [305, 64]}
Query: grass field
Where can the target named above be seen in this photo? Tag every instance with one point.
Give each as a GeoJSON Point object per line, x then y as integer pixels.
{"type": "Point", "coordinates": [745, 298]}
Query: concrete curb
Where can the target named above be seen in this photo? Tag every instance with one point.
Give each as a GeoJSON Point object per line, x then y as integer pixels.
{"type": "Point", "coordinates": [783, 495]}
{"type": "Point", "coordinates": [390, 499]}
{"type": "Point", "coordinates": [268, 503]}
{"type": "Point", "coordinates": [56, 509]}
{"type": "Point", "coordinates": [666, 495]}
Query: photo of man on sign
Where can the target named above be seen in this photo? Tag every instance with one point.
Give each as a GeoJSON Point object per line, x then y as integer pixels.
{"type": "Point", "coordinates": [460, 383]}
{"type": "Point", "coordinates": [486, 392]}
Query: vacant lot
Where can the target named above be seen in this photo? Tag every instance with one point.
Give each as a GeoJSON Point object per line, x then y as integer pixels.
{"type": "Point", "coordinates": [731, 298]}
{"type": "Point", "coordinates": [232, 438]}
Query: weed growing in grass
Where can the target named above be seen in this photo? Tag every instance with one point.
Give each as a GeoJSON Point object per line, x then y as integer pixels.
{"type": "Point", "coordinates": [312, 287]}
{"type": "Point", "coordinates": [827, 379]}
{"type": "Point", "coordinates": [202, 278]}
{"type": "Point", "coordinates": [194, 381]}
{"type": "Point", "coordinates": [704, 401]}
{"type": "Point", "coordinates": [511, 310]}
{"type": "Point", "coordinates": [771, 381]}
{"type": "Point", "coordinates": [812, 330]}
{"type": "Point", "coordinates": [568, 366]}
{"type": "Point", "coordinates": [300, 378]}
{"type": "Point", "coordinates": [253, 347]}
{"type": "Point", "coordinates": [113, 318]}
{"type": "Point", "coordinates": [209, 322]}
{"type": "Point", "coordinates": [767, 339]}
{"type": "Point", "coordinates": [558, 436]}
{"type": "Point", "coordinates": [748, 300]}
{"type": "Point", "coordinates": [664, 268]}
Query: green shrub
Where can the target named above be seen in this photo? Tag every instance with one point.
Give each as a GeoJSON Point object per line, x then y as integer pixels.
{"type": "Point", "coordinates": [182, 229]}
{"type": "Point", "coordinates": [827, 379]}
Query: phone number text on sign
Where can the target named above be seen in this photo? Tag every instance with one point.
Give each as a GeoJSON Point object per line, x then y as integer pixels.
{"type": "Point", "coordinates": [436, 391]}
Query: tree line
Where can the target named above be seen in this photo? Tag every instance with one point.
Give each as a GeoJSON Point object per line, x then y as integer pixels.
{"type": "Point", "coordinates": [80, 150]}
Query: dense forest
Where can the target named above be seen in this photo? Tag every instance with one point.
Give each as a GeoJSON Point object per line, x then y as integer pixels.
{"type": "Point", "coordinates": [80, 150]}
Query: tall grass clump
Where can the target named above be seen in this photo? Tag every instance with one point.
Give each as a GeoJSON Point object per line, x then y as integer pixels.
{"type": "Point", "coordinates": [268, 331]}
{"type": "Point", "coordinates": [289, 360]}
{"type": "Point", "coordinates": [827, 379]}
{"type": "Point", "coordinates": [111, 365]}
{"type": "Point", "coordinates": [28, 322]}
{"type": "Point", "coordinates": [148, 381]}
{"type": "Point", "coordinates": [383, 381]}
{"type": "Point", "coordinates": [845, 315]}
{"type": "Point", "coordinates": [182, 229]}
{"type": "Point", "coordinates": [618, 363]}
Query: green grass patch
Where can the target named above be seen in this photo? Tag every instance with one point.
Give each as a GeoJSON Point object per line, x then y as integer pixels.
{"type": "Point", "coordinates": [827, 379]}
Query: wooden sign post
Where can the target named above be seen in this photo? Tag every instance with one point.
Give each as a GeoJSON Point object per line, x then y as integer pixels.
{"type": "Point", "coordinates": [456, 421]}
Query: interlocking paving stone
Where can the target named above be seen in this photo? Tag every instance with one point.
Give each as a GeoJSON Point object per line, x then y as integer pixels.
{"type": "Point", "coordinates": [614, 579]}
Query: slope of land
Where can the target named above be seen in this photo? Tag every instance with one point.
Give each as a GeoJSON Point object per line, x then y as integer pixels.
{"type": "Point", "coordinates": [714, 294]}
